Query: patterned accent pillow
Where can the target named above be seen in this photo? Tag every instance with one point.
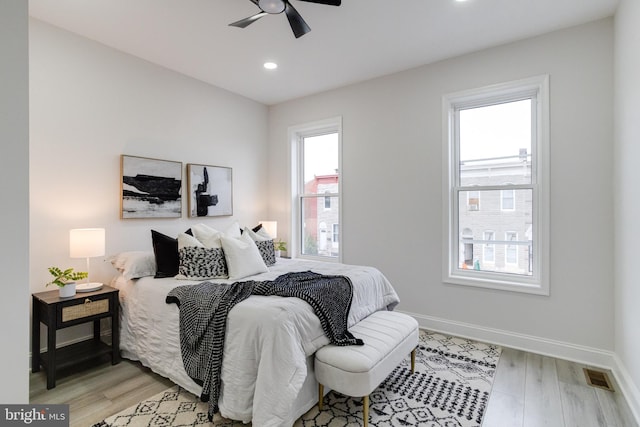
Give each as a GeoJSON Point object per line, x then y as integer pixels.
{"type": "Point", "coordinates": [267, 251]}
{"type": "Point", "coordinates": [199, 263]}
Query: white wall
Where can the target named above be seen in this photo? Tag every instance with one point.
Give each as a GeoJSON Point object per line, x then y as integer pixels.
{"type": "Point", "coordinates": [627, 202]}
{"type": "Point", "coordinates": [392, 172]}
{"type": "Point", "coordinates": [14, 191]}
{"type": "Point", "coordinates": [90, 104]}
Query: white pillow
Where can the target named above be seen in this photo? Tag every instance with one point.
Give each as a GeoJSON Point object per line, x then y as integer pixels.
{"type": "Point", "coordinates": [209, 237]}
{"type": "Point", "coordinates": [262, 232]}
{"type": "Point", "coordinates": [264, 244]}
{"type": "Point", "coordinates": [242, 256]}
{"type": "Point", "coordinates": [233, 230]}
{"type": "Point", "coordinates": [185, 240]}
{"type": "Point", "coordinates": [134, 264]}
{"type": "Point", "coordinates": [257, 237]}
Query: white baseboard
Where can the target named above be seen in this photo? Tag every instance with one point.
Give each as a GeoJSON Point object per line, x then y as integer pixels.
{"type": "Point", "coordinates": [582, 354]}
{"type": "Point", "coordinates": [628, 388]}
{"type": "Point", "coordinates": [590, 356]}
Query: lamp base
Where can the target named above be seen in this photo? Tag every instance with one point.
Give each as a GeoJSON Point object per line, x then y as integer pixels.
{"type": "Point", "coordinates": [88, 287]}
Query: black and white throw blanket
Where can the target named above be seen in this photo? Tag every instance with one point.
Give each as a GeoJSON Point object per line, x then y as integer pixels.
{"type": "Point", "coordinates": [203, 316]}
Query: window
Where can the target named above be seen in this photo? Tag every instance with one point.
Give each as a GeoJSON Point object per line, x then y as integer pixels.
{"type": "Point", "coordinates": [497, 151]}
{"type": "Point", "coordinates": [336, 233]}
{"type": "Point", "coordinates": [507, 200]}
{"type": "Point", "coordinates": [473, 200]}
{"type": "Point", "coordinates": [489, 249]}
{"type": "Point", "coordinates": [511, 250]}
{"type": "Point", "coordinates": [327, 201]}
{"type": "Point", "coordinates": [316, 189]}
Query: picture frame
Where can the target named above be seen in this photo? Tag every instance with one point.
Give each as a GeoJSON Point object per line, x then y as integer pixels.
{"type": "Point", "coordinates": [210, 190]}
{"type": "Point", "coordinates": [150, 188]}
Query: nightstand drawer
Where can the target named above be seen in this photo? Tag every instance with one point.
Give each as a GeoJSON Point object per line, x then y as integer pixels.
{"type": "Point", "coordinates": [87, 308]}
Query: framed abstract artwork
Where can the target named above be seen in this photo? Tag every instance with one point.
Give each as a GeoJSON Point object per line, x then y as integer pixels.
{"type": "Point", "coordinates": [150, 188]}
{"type": "Point", "coordinates": [210, 190]}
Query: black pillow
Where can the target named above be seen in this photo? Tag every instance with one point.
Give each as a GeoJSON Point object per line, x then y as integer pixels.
{"type": "Point", "coordinates": [165, 249]}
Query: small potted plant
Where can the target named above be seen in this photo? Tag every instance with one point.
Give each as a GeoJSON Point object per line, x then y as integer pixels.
{"type": "Point", "coordinates": [66, 280]}
{"type": "Point", "coordinates": [279, 246]}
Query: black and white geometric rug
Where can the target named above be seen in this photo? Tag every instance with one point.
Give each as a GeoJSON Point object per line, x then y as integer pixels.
{"type": "Point", "coordinates": [450, 387]}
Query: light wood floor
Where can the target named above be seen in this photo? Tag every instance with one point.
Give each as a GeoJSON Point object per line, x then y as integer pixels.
{"type": "Point", "coordinates": [529, 391]}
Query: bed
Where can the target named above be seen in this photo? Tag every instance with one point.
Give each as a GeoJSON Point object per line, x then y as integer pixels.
{"type": "Point", "coordinates": [267, 370]}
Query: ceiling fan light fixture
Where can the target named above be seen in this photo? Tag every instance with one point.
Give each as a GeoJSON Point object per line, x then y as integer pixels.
{"type": "Point", "coordinates": [272, 6]}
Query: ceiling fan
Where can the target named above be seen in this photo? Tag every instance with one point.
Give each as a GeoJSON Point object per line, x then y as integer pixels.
{"type": "Point", "coordinates": [274, 7]}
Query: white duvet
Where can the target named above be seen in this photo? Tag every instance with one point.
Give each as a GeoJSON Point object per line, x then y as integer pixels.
{"type": "Point", "coordinates": [267, 341]}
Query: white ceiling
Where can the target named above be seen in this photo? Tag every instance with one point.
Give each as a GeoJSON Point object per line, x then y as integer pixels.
{"type": "Point", "coordinates": [359, 40]}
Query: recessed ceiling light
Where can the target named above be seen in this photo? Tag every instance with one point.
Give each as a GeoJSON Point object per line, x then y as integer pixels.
{"type": "Point", "coordinates": [270, 65]}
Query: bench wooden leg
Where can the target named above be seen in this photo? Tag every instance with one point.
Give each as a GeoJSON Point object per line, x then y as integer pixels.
{"type": "Point", "coordinates": [365, 410]}
{"type": "Point", "coordinates": [413, 361]}
{"type": "Point", "coordinates": [320, 396]}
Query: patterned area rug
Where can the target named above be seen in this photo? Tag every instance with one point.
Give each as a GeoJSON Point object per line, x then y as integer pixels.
{"type": "Point", "coordinates": [450, 387]}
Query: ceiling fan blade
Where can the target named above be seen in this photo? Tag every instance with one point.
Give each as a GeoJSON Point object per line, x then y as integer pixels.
{"type": "Point", "coordinates": [328, 2]}
{"type": "Point", "coordinates": [243, 23]}
{"type": "Point", "coordinates": [298, 26]}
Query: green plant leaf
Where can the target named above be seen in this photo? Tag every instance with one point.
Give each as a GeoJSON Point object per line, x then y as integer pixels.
{"type": "Point", "coordinates": [61, 278]}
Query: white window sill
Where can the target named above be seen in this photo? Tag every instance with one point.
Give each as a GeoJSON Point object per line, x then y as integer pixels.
{"type": "Point", "coordinates": [498, 282]}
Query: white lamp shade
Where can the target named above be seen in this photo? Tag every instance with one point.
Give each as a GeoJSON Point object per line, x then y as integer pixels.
{"type": "Point", "coordinates": [86, 242]}
{"type": "Point", "coordinates": [271, 227]}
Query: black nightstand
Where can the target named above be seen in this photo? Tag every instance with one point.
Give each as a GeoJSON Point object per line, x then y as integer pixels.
{"type": "Point", "coordinates": [58, 313]}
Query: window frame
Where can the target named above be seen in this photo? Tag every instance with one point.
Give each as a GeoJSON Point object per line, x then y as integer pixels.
{"type": "Point", "coordinates": [534, 88]}
{"type": "Point", "coordinates": [296, 135]}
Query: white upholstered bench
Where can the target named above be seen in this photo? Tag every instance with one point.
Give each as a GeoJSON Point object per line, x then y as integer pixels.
{"type": "Point", "coordinates": [357, 370]}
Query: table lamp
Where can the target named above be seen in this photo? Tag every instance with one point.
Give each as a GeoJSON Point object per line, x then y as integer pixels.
{"type": "Point", "coordinates": [86, 243]}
